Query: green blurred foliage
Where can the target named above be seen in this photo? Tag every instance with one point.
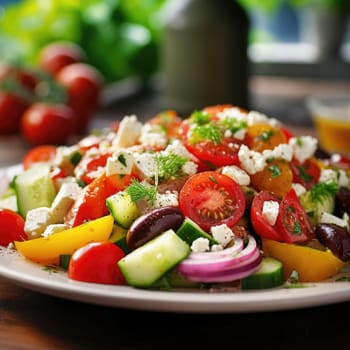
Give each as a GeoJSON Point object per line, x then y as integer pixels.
{"type": "Point", "coordinates": [120, 37]}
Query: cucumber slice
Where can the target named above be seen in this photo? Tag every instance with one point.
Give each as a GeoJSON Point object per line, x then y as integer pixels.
{"type": "Point", "coordinates": [189, 231]}
{"type": "Point", "coordinates": [269, 275]}
{"type": "Point", "coordinates": [9, 203]}
{"type": "Point", "coordinates": [122, 208]}
{"type": "Point", "coordinates": [146, 264]}
{"type": "Point", "coordinates": [34, 188]}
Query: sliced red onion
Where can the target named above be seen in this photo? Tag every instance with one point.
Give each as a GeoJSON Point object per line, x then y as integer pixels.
{"type": "Point", "coordinates": [215, 265]}
{"type": "Point", "coordinates": [234, 274]}
{"type": "Point", "coordinates": [231, 251]}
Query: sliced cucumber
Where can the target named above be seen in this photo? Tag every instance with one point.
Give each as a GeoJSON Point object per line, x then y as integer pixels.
{"type": "Point", "coordinates": [9, 203]}
{"type": "Point", "coordinates": [34, 188]}
{"type": "Point", "coordinates": [122, 208]}
{"type": "Point", "coordinates": [189, 231]}
{"type": "Point", "coordinates": [118, 237]}
{"type": "Point", "coordinates": [146, 264]}
{"type": "Point", "coordinates": [269, 275]}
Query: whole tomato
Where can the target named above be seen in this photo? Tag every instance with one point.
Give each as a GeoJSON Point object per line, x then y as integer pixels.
{"type": "Point", "coordinates": [83, 84]}
{"type": "Point", "coordinates": [54, 56]}
{"type": "Point", "coordinates": [44, 123]}
{"type": "Point", "coordinates": [12, 108]}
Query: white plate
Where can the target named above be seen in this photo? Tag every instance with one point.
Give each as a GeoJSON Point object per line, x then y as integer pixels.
{"type": "Point", "coordinates": [56, 283]}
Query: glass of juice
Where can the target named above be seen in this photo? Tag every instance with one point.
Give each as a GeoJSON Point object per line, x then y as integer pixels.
{"type": "Point", "coordinates": [331, 118]}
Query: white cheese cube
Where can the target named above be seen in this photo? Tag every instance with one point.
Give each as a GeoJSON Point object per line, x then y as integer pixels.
{"type": "Point", "coordinates": [304, 147]}
{"type": "Point", "coordinates": [270, 211]}
{"type": "Point", "coordinates": [65, 197]}
{"type": "Point", "coordinates": [64, 155]}
{"type": "Point", "coordinates": [222, 234]}
{"type": "Point", "coordinates": [146, 163]}
{"type": "Point", "coordinates": [167, 199]}
{"type": "Point", "coordinates": [121, 163]}
{"type": "Point", "coordinates": [299, 189]}
{"type": "Point", "coordinates": [327, 218]}
{"type": "Point", "coordinates": [251, 161]}
{"type": "Point", "coordinates": [189, 168]}
{"type": "Point", "coordinates": [177, 148]}
{"type": "Point", "coordinates": [153, 136]}
{"type": "Point", "coordinates": [36, 221]}
{"type": "Point", "coordinates": [200, 245]}
{"type": "Point", "coordinates": [54, 228]}
{"type": "Point", "coordinates": [281, 151]}
{"type": "Point", "coordinates": [237, 174]}
{"type": "Point", "coordinates": [328, 175]}
{"type": "Point", "coordinates": [128, 132]}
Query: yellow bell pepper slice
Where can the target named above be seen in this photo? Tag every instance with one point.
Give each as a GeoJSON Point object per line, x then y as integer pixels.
{"type": "Point", "coordinates": [312, 265]}
{"type": "Point", "coordinates": [47, 250]}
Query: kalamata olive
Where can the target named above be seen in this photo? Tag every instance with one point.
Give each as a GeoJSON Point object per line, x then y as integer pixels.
{"type": "Point", "coordinates": [153, 223]}
{"type": "Point", "coordinates": [342, 200]}
{"type": "Point", "coordinates": [336, 238]}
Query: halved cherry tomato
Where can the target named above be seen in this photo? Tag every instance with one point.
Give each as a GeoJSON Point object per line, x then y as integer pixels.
{"type": "Point", "coordinates": [96, 262]}
{"type": "Point", "coordinates": [210, 198]}
{"type": "Point", "coordinates": [307, 173]}
{"type": "Point", "coordinates": [88, 168]}
{"type": "Point", "coordinates": [260, 224]}
{"type": "Point", "coordinates": [213, 154]}
{"type": "Point", "coordinates": [276, 177]}
{"type": "Point", "coordinates": [260, 137]}
{"type": "Point", "coordinates": [91, 204]}
{"type": "Point", "coordinates": [169, 121]}
{"type": "Point", "coordinates": [288, 134]}
{"type": "Point", "coordinates": [292, 221]}
{"type": "Point", "coordinates": [37, 154]}
{"type": "Point", "coordinates": [11, 227]}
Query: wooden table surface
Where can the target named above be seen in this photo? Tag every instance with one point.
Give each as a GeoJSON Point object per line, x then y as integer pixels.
{"type": "Point", "coordinates": [31, 320]}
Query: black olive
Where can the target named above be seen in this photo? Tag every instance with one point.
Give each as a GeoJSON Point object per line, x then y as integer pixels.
{"type": "Point", "coordinates": [336, 238]}
{"type": "Point", "coordinates": [342, 200]}
{"type": "Point", "coordinates": [152, 224]}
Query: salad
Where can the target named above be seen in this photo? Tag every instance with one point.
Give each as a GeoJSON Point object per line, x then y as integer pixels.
{"type": "Point", "coordinates": [225, 197]}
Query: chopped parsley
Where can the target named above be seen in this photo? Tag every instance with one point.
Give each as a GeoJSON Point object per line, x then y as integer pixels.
{"type": "Point", "coordinates": [122, 160]}
{"type": "Point", "coordinates": [200, 117]}
{"type": "Point", "coordinates": [275, 171]}
{"type": "Point", "coordinates": [297, 228]}
{"type": "Point", "coordinates": [303, 174]}
{"type": "Point", "coordinates": [233, 125]}
{"type": "Point", "coordinates": [265, 135]}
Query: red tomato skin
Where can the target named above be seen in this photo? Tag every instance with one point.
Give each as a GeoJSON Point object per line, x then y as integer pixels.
{"type": "Point", "coordinates": [307, 173]}
{"type": "Point", "coordinates": [83, 83]}
{"type": "Point", "coordinates": [41, 153]}
{"type": "Point", "coordinates": [292, 222]}
{"type": "Point", "coordinates": [200, 197]}
{"type": "Point", "coordinates": [12, 108]}
{"type": "Point", "coordinates": [97, 263]}
{"type": "Point", "coordinates": [261, 226]}
{"type": "Point", "coordinates": [11, 227]}
{"type": "Point", "coordinates": [57, 55]}
{"type": "Point", "coordinates": [44, 123]}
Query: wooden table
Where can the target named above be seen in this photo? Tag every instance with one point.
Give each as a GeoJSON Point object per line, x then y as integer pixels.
{"type": "Point", "coordinates": [30, 320]}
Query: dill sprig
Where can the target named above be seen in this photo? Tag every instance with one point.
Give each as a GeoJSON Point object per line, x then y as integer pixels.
{"type": "Point", "coordinates": [233, 124]}
{"type": "Point", "coordinates": [207, 132]}
{"type": "Point", "coordinates": [323, 191]}
{"type": "Point", "coordinates": [137, 190]}
{"type": "Point", "coordinates": [200, 117]}
{"type": "Point", "coordinates": [169, 165]}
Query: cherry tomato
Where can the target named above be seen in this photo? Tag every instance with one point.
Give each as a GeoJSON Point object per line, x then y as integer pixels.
{"type": "Point", "coordinates": [213, 154]}
{"type": "Point", "coordinates": [210, 198]}
{"type": "Point", "coordinates": [260, 137]}
{"type": "Point", "coordinates": [83, 83]}
{"type": "Point", "coordinates": [87, 168]}
{"type": "Point", "coordinates": [57, 55]}
{"type": "Point", "coordinates": [12, 108]}
{"type": "Point", "coordinates": [307, 173]}
{"type": "Point", "coordinates": [292, 221]}
{"type": "Point", "coordinates": [11, 227]}
{"type": "Point", "coordinates": [44, 123]}
{"type": "Point", "coordinates": [169, 121]}
{"type": "Point", "coordinates": [276, 177]}
{"type": "Point", "coordinates": [288, 134]}
{"type": "Point", "coordinates": [42, 153]}
{"type": "Point", "coordinates": [259, 222]}
{"type": "Point", "coordinates": [25, 77]}
{"type": "Point", "coordinates": [96, 262]}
